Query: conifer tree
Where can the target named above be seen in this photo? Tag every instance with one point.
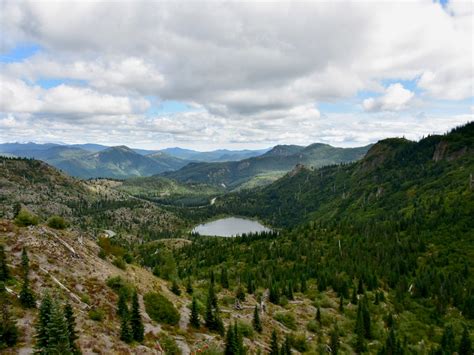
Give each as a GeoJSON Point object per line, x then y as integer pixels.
{"type": "Point", "coordinates": [250, 286]}
{"type": "Point", "coordinates": [224, 278]}
{"type": "Point", "coordinates": [354, 296]}
{"type": "Point", "coordinates": [194, 319]}
{"type": "Point", "coordinates": [359, 331]}
{"type": "Point", "coordinates": [125, 331]}
{"type": "Point", "coordinates": [303, 287]}
{"type": "Point", "coordinates": [360, 287]}
{"type": "Point", "coordinates": [27, 297]}
{"type": "Point", "coordinates": [465, 345]}
{"type": "Point", "coordinates": [42, 323]}
{"type": "Point", "coordinates": [231, 346]}
{"type": "Point", "coordinates": [71, 327]}
{"type": "Point", "coordinates": [57, 330]}
{"type": "Point", "coordinates": [334, 340]}
{"type": "Point", "coordinates": [4, 270]}
{"type": "Point", "coordinates": [189, 286]}
{"type": "Point", "coordinates": [8, 328]}
{"type": "Point", "coordinates": [447, 340]}
{"type": "Point", "coordinates": [366, 318]}
{"type": "Point", "coordinates": [240, 294]}
{"type": "Point", "coordinates": [122, 307]}
{"type": "Point", "coordinates": [175, 288]}
{"type": "Point", "coordinates": [136, 323]}
{"type": "Point", "coordinates": [341, 304]}
{"type": "Point", "coordinates": [274, 296]}
{"type": "Point", "coordinates": [318, 315]}
{"type": "Point", "coordinates": [274, 347]}
{"type": "Point", "coordinates": [286, 346]}
{"type": "Point", "coordinates": [257, 325]}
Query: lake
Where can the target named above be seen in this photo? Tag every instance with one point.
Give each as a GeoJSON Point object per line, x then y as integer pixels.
{"type": "Point", "coordinates": [230, 227]}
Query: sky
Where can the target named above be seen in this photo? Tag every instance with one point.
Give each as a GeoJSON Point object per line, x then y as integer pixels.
{"type": "Point", "coordinates": [229, 74]}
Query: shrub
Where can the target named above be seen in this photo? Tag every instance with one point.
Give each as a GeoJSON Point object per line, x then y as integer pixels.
{"type": "Point", "coordinates": [298, 341]}
{"type": "Point", "coordinates": [26, 218]}
{"type": "Point", "coordinates": [96, 314]}
{"type": "Point", "coordinates": [57, 222]}
{"type": "Point", "coordinates": [245, 329]}
{"type": "Point", "coordinates": [287, 319]}
{"type": "Point", "coordinates": [120, 263]}
{"type": "Point", "coordinates": [312, 326]}
{"type": "Point", "coordinates": [169, 345]}
{"type": "Point", "coordinates": [160, 309]}
{"type": "Point", "coordinates": [118, 284]}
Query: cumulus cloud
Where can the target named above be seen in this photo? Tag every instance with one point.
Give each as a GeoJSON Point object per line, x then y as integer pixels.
{"type": "Point", "coordinates": [253, 67]}
{"type": "Point", "coordinates": [395, 98]}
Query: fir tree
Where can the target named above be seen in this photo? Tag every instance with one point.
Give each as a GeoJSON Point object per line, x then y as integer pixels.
{"type": "Point", "coordinates": [392, 345]}
{"type": "Point", "coordinates": [360, 287]}
{"type": "Point", "coordinates": [359, 331]}
{"type": "Point", "coordinates": [42, 323]}
{"type": "Point", "coordinates": [136, 324]}
{"type": "Point", "coordinates": [194, 319]}
{"type": "Point", "coordinates": [122, 307]}
{"type": "Point", "coordinates": [27, 297]}
{"type": "Point", "coordinates": [224, 278]}
{"type": "Point", "coordinates": [366, 318]}
{"type": "Point", "coordinates": [175, 288]}
{"type": "Point", "coordinates": [303, 287]}
{"type": "Point", "coordinates": [274, 296]}
{"type": "Point", "coordinates": [334, 341]}
{"type": "Point", "coordinates": [4, 270]}
{"type": "Point", "coordinates": [189, 286]}
{"type": "Point", "coordinates": [286, 346]}
{"type": "Point", "coordinates": [341, 304]}
{"type": "Point", "coordinates": [8, 328]}
{"type": "Point", "coordinates": [274, 347]}
{"type": "Point", "coordinates": [231, 346]}
{"type": "Point", "coordinates": [240, 294]}
{"type": "Point", "coordinates": [250, 286]}
{"type": "Point", "coordinates": [125, 331]}
{"type": "Point", "coordinates": [257, 325]}
{"type": "Point", "coordinates": [354, 296]}
{"type": "Point", "coordinates": [447, 340]}
{"type": "Point", "coordinates": [318, 315]}
{"type": "Point", "coordinates": [57, 330]}
{"type": "Point", "coordinates": [71, 327]}
{"type": "Point", "coordinates": [465, 345]}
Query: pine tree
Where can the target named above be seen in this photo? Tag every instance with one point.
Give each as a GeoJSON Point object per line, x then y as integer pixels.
{"type": "Point", "coordinates": [354, 296]}
{"type": "Point", "coordinates": [334, 344]}
{"type": "Point", "coordinates": [57, 330]}
{"type": "Point", "coordinates": [240, 294]}
{"type": "Point", "coordinates": [27, 297]}
{"type": "Point", "coordinates": [318, 315]}
{"type": "Point", "coordinates": [213, 320]}
{"type": "Point", "coordinates": [359, 331]}
{"type": "Point", "coordinates": [250, 285]}
{"type": "Point", "coordinates": [71, 327]}
{"type": "Point", "coordinates": [257, 325]}
{"type": "Point", "coordinates": [274, 347]}
{"type": "Point", "coordinates": [210, 319]}
{"type": "Point", "coordinates": [4, 270]}
{"type": "Point", "coordinates": [42, 323]}
{"type": "Point", "coordinates": [175, 288]}
{"type": "Point", "coordinates": [194, 320]}
{"type": "Point", "coordinates": [189, 287]}
{"type": "Point", "coordinates": [224, 278]}
{"type": "Point", "coordinates": [360, 287]}
{"type": "Point", "coordinates": [136, 324]}
{"type": "Point", "coordinates": [274, 296]}
{"type": "Point", "coordinates": [286, 347]}
{"type": "Point", "coordinates": [231, 346]}
{"type": "Point", "coordinates": [122, 307]}
{"type": "Point", "coordinates": [447, 340]}
{"type": "Point", "coordinates": [341, 304]}
{"type": "Point", "coordinates": [366, 318]}
{"type": "Point", "coordinates": [465, 345]}
{"type": "Point", "coordinates": [8, 328]}
{"type": "Point", "coordinates": [125, 331]}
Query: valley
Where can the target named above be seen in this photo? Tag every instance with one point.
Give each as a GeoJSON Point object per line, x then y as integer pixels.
{"type": "Point", "coordinates": [368, 251]}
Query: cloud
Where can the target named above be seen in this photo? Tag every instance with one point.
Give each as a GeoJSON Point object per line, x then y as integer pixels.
{"type": "Point", "coordinates": [395, 98]}
{"type": "Point", "coordinates": [17, 96]}
{"type": "Point", "coordinates": [256, 68]}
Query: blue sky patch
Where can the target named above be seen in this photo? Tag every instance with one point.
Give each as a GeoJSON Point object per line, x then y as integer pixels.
{"type": "Point", "coordinates": [19, 53]}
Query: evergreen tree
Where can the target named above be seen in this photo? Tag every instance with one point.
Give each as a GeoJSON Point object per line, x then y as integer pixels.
{"type": "Point", "coordinates": [125, 331]}
{"type": "Point", "coordinates": [366, 318]}
{"type": "Point", "coordinates": [4, 270]}
{"type": "Point", "coordinates": [8, 328]}
{"type": "Point", "coordinates": [189, 286]}
{"type": "Point", "coordinates": [318, 315]}
{"type": "Point", "coordinates": [303, 287]}
{"type": "Point", "coordinates": [354, 296]}
{"type": "Point", "coordinates": [250, 286]}
{"type": "Point", "coordinates": [231, 347]}
{"type": "Point", "coordinates": [224, 278]}
{"type": "Point", "coordinates": [359, 331]}
{"type": "Point", "coordinates": [257, 325]}
{"type": "Point", "coordinates": [136, 324]}
{"type": "Point", "coordinates": [274, 296]}
{"type": "Point", "coordinates": [341, 304]}
{"type": "Point", "coordinates": [175, 288]}
{"type": "Point", "coordinates": [57, 330]}
{"type": "Point", "coordinates": [465, 345]}
{"type": "Point", "coordinates": [447, 341]}
{"type": "Point", "coordinates": [286, 347]}
{"type": "Point", "coordinates": [360, 287]}
{"type": "Point", "coordinates": [274, 347]}
{"type": "Point", "coordinates": [71, 327]}
{"type": "Point", "coordinates": [334, 341]}
{"type": "Point", "coordinates": [240, 294]}
{"type": "Point", "coordinates": [42, 323]}
{"type": "Point", "coordinates": [27, 297]}
{"type": "Point", "coordinates": [392, 345]}
{"type": "Point", "coordinates": [122, 307]}
{"type": "Point", "coordinates": [212, 319]}
{"type": "Point", "coordinates": [194, 320]}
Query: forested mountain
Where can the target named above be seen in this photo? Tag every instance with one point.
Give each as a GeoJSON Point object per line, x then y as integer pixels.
{"type": "Point", "coordinates": [374, 256]}
{"type": "Point", "coordinates": [273, 163]}
{"type": "Point", "coordinates": [219, 155]}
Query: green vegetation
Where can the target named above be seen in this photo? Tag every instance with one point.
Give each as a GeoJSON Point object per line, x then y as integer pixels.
{"type": "Point", "coordinates": [160, 309]}
{"type": "Point", "coordinates": [57, 222]}
{"type": "Point", "coordinates": [25, 218]}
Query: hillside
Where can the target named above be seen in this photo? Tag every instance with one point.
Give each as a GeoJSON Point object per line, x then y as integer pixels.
{"type": "Point", "coordinates": [273, 163]}
{"type": "Point", "coordinates": [219, 155]}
